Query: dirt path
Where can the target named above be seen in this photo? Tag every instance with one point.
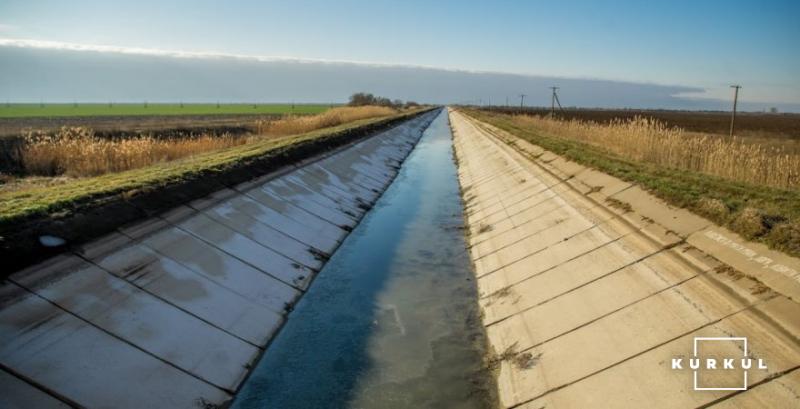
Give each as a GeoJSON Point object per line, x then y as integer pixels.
{"type": "Point", "coordinates": [590, 288]}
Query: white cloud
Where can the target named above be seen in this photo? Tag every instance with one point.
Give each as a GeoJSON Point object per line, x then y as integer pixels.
{"type": "Point", "coordinates": [59, 45]}
{"type": "Point", "coordinates": [7, 27]}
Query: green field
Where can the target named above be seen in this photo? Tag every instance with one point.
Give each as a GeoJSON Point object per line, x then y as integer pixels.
{"type": "Point", "coordinates": [67, 110]}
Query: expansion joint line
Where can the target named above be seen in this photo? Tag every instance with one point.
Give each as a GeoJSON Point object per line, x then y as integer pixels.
{"type": "Point", "coordinates": [164, 300]}
{"type": "Point", "coordinates": [632, 263]}
{"type": "Point", "coordinates": [121, 339]}
{"type": "Point", "coordinates": [67, 401]}
{"type": "Point", "coordinates": [640, 353]}
{"type": "Point", "coordinates": [770, 378]}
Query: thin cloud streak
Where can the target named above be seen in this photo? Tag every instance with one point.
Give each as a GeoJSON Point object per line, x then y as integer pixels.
{"type": "Point", "coordinates": [66, 46]}
{"type": "Point", "coordinates": [59, 45]}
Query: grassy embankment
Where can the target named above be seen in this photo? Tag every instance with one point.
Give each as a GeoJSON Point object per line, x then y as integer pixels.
{"type": "Point", "coordinates": [149, 169]}
{"type": "Point", "coordinates": [750, 189]}
{"type": "Point", "coordinates": [77, 152]}
{"type": "Point", "coordinates": [69, 110]}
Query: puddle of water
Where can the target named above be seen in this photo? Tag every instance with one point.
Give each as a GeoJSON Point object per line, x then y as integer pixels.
{"type": "Point", "coordinates": [391, 321]}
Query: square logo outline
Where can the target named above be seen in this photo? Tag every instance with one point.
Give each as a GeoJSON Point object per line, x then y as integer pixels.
{"type": "Point", "coordinates": [694, 353]}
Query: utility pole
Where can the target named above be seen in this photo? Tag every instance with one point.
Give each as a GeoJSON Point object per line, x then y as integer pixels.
{"type": "Point", "coordinates": [553, 100]}
{"type": "Point", "coordinates": [735, 99]}
{"type": "Point", "coordinates": [506, 101]}
{"type": "Point", "coordinates": [522, 100]}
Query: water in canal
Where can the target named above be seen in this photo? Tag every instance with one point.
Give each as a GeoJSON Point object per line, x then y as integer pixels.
{"type": "Point", "coordinates": [391, 321]}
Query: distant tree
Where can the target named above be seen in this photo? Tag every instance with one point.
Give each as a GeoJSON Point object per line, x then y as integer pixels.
{"type": "Point", "coordinates": [411, 104]}
{"type": "Point", "coordinates": [364, 98]}
{"type": "Point", "coordinates": [361, 98]}
{"type": "Point", "coordinates": [773, 110]}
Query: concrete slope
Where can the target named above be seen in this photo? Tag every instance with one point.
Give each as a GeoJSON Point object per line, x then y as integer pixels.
{"type": "Point", "coordinates": [173, 311]}
{"type": "Point", "coordinates": [589, 287]}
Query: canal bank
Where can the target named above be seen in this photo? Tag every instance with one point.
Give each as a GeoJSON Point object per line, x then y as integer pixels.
{"type": "Point", "coordinates": [589, 286]}
{"type": "Point", "coordinates": [391, 321]}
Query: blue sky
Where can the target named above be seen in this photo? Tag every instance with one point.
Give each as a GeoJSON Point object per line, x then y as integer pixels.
{"type": "Point", "coordinates": [705, 44]}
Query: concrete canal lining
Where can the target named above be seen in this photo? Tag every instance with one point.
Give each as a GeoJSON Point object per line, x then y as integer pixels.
{"type": "Point", "coordinates": [392, 319]}
{"type": "Point", "coordinates": [174, 311]}
{"type": "Point", "coordinates": [589, 286]}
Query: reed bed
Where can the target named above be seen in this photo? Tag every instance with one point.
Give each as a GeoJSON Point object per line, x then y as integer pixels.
{"type": "Point", "coordinates": [651, 141]}
{"type": "Point", "coordinates": [292, 125]}
{"type": "Point", "coordinates": [78, 152]}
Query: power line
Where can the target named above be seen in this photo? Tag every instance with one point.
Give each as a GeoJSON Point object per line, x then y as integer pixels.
{"type": "Point", "coordinates": [522, 100]}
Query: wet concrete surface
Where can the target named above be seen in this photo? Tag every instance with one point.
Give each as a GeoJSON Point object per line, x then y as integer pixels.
{"type": "Point", "coordinates": [175, 310]}
{"type": "Point", "coordinates": [391, 321]}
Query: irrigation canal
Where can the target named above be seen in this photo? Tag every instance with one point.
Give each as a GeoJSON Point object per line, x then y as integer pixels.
{"type": "Point", "coordinates": [391, 321]}
{"type": "Point", "coordinates": [214, 300]}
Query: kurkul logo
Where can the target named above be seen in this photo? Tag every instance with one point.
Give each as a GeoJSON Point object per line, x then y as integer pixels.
{"type": "Point", "coordinates": [707, 364]}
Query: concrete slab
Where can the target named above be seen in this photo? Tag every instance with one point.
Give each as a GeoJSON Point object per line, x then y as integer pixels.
{"type": "Point", "coordinates": [647, 380]}
{"type": "Point", "coordinates": [783, 391]}
{"type": "Point", "coordinates": [679, 220]}
{"type": "Point", "coordinates": [614, 338]}
{"type": "Point", "coordinates": [321, 226]}
{"type": "Point", "coordinates": [293, 186]}
{"type": "Point", "coordinates": [777, 270]}
{"type": "Point", "coordinates": [249, 251]}
{"type": "Point", "coordinates": [311, 202]}
{"type": "Point", "coordinates": [137, 317]}
{"type": "Point", "coordinates": [267, 236]}
{"type": "Point", "coordinates": [192, 292]}
{"type": "Point", "coordinates": [309, 231]}
{"type": "Point", "coordinates": [75, 359]}
{"type": "Point", "coordinates": [15, 393]}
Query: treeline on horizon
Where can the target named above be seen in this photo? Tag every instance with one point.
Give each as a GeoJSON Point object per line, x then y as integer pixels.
{"type": "Point", "coordinates": [364, 98]}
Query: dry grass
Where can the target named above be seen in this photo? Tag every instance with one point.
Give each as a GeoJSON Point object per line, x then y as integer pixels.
{"type": "Point", "coordinates": [758, 211]}
{"type": "Point", "coordinates": [77, 152]}
{"type": "Point", "coordinates": [649, 140]}
{"type": "Point", "coordinates": [299, 124]}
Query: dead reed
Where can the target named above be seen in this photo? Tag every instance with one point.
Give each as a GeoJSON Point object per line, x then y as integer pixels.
{"type": "Point", "coordinates": [292, 125]}
{"type": "Point", "coordinates": [77, 152]}
{"type": "Point", "coordinates": [651, 141]}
